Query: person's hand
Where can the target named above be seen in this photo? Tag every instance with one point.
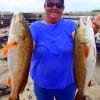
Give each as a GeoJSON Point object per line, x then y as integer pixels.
{"type": "Point", "coordinates": [96, 24]}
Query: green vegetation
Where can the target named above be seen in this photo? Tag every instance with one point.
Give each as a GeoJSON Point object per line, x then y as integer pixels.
{"type": "Point", "coordinates": [95, 10]}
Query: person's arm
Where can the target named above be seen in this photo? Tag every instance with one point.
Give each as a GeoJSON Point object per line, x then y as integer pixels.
{"type": "Point", "coordinates": [73, 35]}
{"type": "Point", "coordinates": [34, 45]}
{"type": "Point", "coordinates": [95, 27]}
{"type": "Point", "coordinates": [96, 24]}
{"type": "Point", "coordinates": [34, 34]}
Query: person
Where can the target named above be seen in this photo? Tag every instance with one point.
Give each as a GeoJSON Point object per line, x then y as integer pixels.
{"type": "Point", "coordinates": [96, 24]}
{"type": "Point", "coordinates": [96, 27]}
{"type": "Point", "coordinates": [52, 60]}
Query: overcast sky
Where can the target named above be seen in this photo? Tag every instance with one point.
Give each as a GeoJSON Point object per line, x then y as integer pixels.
{"type": "Point", "coordinates": [37, 5]}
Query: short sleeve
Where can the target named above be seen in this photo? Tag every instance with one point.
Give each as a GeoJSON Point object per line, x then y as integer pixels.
{"type": "Point", "coordinates": [34, 32]}
{"type": "Point", "coordinates": [73, 26]}
{"type": "Point", "coordinates": [70, 27]}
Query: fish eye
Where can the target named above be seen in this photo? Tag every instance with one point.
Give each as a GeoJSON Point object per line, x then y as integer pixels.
{"type": "Point", "coordinates": [78, 25]}
{"type": "Point", "coordinates": [20, 21]}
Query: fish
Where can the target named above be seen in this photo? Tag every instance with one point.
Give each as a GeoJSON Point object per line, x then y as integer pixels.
{"type": "Point", "coordinates": [18, 50]}
{"type": "Point", "coordinates": [85, 57]}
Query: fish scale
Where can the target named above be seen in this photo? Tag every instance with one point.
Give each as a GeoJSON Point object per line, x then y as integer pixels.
{"type": "Point", "coordinates": [19, 53]}
{"type": "Point", "coordinates": [85, 57]}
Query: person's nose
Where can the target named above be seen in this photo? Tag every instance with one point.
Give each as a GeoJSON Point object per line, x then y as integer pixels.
{"type": "Point", "coordinates": [55, 7]}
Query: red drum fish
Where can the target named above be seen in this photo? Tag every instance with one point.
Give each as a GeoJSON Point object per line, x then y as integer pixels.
{"type": "Point", "coordinates": [85, 56]}
{"type": "Point", "coordinates": [19, 51]}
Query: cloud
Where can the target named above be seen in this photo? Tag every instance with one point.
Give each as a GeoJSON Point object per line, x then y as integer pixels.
{"type": "Point", "coordinates": [21, 5]}
{"type": "Point", "coordinates": [95, 1]}
{"type": "Point", "coordinates": [87, 1]}
{"type": "Point", "coordinates": [80, 5]}
{"type": "Point", "coordinates": [37, 5]}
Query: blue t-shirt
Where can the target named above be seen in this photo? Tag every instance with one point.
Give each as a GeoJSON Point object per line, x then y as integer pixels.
{"type": "Point", "coordinates": [52, 59]}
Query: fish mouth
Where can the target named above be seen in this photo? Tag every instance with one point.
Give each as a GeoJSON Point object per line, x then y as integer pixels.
{"type": "Point", "coordinates": [18, 17]}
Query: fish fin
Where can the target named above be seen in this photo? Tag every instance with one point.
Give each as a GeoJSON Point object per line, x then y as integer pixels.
{"type": "Point", "coordinates": [12, 97]}
{"type": "Point", "coordinates": [5, 49]}
{"type": "Point", "coordinates": [87, 50]}
{"type": "Point", "coordinates": [79, 96]}
{"type": "Point", "coordinates": [9, 81]}
{"type": "Point", "coordinates": [23, 85]}
{"type": "Point", "coordinates": [89, 84]}
{"type": "Point", "coordinates": [94, 52]}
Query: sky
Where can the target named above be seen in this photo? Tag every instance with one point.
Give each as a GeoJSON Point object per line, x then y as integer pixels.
{"type": "Point", "coordinates": [37, 5]}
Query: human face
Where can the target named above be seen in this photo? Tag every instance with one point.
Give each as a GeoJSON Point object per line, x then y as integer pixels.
{"type": "Point", "coordinates": [54, 10]}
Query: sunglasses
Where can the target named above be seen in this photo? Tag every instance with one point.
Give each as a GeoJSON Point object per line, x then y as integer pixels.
{"type": "Point", "coordinates": [52, 4]}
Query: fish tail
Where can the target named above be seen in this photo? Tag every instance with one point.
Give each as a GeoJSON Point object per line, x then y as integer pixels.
{"type": "Point", "coordinates": [9, 81]}
{"type": "Point", "coordinates": [5, 49]}
{"type": "Point", "coordinates": [12, 98]}
{"type": "Point", "coordinates": [95, 53]}
{"type": "Point", "coordinates": [89, 84]}
{"type": "Point", "coordinates": [79, 96]}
